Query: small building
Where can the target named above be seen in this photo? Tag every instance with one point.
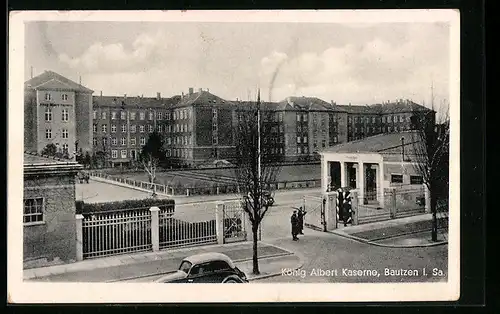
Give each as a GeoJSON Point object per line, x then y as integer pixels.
{"type": "Point", "coordinates": [373, 166]}
{"type": "Point", "coordinates": [49, 230]}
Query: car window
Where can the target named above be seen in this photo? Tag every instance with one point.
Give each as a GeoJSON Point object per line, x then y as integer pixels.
{"type": "Point", "coordinates": [200, 269]}
{"type": "Point", "coordinates": [219, 265]}
{"type": "Point", "coordinates": [185, 266]}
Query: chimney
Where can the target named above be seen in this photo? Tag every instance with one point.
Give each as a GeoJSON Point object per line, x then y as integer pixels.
{"type": "Point", "coordinates": [124, 96]}
{"type": "Point", "coordinates": [190, 91]}
{"type": "Point", "coordinates": [158, 96]}
{"type": "Point", "coordinates": [101, 93]}
{"type": "Point", "coordinates": [200, 90]}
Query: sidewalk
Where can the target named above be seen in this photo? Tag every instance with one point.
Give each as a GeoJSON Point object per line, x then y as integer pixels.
{"type": "Point", "coordinates": [126, 267]}
{"type": "Point", "coordinates": [402, 232]}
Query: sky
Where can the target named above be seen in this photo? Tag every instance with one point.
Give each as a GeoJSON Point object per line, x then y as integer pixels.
{"type": "Point", "coordinates": [344, 63]}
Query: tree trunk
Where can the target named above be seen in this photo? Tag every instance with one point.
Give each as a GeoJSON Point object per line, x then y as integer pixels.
{"type": "Point", "coordinates": [434, 217]}
{"type": "Point", "coordinates": [255, 230]}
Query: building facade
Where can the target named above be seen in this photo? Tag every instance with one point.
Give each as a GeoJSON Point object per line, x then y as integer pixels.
{"type": "Point", "coordinates": [57, 111]}
{"type": "Point", "coordinates": [49, 208]}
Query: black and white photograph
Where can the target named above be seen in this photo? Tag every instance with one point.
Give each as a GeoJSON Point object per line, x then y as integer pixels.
{"type": "Point", "coordinates": [160, 150]}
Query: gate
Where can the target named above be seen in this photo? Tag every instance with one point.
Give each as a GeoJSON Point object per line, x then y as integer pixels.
{"type": "Point", "coordinates": [234, 222]}
{"type": "Point", "coordinates": [315, 208]}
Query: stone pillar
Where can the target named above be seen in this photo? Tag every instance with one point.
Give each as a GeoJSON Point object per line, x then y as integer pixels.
{"type": "Point", "coordinates": [324, 174]}
{"type": "Point", "coordinates": [79, 237]}
{"type": "Point", "coordinates": [187, 192]}
{"type": "Point", "coordinates": [355, 207]}
{"type": "Point", "coordinates": [330, 210]}
{"type": "Point", "coordinates": [361, 184]}
{"type": "Point", "coordinates": [155, 228]}
{"type": "Point", "coordinates": [342, 174]}
{"type": "Point", "coordinates": [219, 222]}
{"type": "Point", "coordinates": [427, 194]}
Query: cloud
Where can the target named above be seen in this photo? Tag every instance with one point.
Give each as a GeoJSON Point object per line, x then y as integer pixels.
{"type": "Point", "coordinates": [373, 71]}
{"type": "Point", "coordinates": [145, 51]}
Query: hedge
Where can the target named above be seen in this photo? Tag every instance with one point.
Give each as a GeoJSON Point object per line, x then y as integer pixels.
{"type": "Point", "coordinates": [90, 208]}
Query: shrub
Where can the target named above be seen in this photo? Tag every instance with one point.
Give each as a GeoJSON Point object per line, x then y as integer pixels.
{"type": "Point", "coordinates": [89, 208]}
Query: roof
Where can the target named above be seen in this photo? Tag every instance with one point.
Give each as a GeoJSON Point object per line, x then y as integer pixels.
{"type": "Point", "coordinates": [398, 107]}
{"type": "Point", "coordinates": [310, 104]}
{"type": "Point", "coordinates": [208, 257]}
{"type": "Point", "coordinates": [117, 101]}
{"type": "Point", "coordinates": [201, 98]}
{"type": "Point", "coordinates": [353, 109]}
{"type": "Point", "coordinates": [35, 163]}
{"type": "Point", "coordinates": [380, 143]}
{"type": "Point", "coordinates": [53, 80]}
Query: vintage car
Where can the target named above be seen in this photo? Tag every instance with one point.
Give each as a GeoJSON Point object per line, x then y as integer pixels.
{"type": "Point", "coordinates": [206, 268]}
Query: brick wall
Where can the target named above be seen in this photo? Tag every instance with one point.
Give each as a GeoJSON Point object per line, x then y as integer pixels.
{"type": "Point", "coordinates": [57, 235]}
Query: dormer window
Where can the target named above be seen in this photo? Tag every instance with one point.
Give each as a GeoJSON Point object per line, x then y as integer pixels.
{"type": "Point", "coordinates": [48, 96]}
{"type": "Point", "coordinates": [64, 97]}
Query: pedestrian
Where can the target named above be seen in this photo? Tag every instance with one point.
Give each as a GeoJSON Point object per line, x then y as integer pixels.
{"type": "Point", "coordinates": [300, 217]}
{"type": "Point", "coordinates": [294, 222]}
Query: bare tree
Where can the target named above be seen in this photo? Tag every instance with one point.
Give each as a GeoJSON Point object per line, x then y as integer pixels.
{"type": "Point", "coordinates": [256, 168]}
{"type": "Point", "coordinates": [430, 146]}
{"type": "Point", "coordinates": [152, 154]}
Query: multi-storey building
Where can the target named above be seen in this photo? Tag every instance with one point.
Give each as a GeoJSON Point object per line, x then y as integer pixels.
{"type": "Point", "coordinates": [57, 111]}
{"type": "Point", "coordinates": [121, 125]}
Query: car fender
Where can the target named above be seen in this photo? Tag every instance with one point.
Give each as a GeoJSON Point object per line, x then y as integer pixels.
{"type": "Point", "coordinates": [233, 277]}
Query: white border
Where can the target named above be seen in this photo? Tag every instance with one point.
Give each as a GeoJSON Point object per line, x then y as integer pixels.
{"type": "Point", "coordinates": [21, 292]}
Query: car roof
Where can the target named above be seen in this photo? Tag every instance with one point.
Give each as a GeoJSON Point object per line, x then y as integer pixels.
{"type": "Point", "coordinates": [209, 257]}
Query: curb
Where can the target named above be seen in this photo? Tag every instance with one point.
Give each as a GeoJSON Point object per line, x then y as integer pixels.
{"type": "Point", "coordinates": [299, 266]}
{"type": "Point", "coordinates": [348, 236]}
{"type": "Point", "coordinates": [173, 271]}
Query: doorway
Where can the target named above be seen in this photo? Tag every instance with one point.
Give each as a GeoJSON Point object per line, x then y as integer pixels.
{"type": "Point", "coordinates": [334, 175]}
{"type": "Point", "coordinates": [371, 183]}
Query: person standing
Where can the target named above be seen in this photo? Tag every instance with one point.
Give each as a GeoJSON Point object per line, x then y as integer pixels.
{"type": "Point", "coordinates": [294, 221]}
{"type": "Point", "coordinates": [300, 218]}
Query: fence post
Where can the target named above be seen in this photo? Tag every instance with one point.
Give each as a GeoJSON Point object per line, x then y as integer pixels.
{"type": "Point", "coordinates": [187, 192]}
{"type": "Point", "coordinates": [219, 222]}
{"type": "Point", "coordinates": [427, 199]}
{"type": "Point", "coordinates": [173, 191]}
{"type": "Point", "coordinates": [217, 190]}
{"type": "Point", "coordinates": [155, 228]}
{"type": "Point", "coordinates": [393, 208]}
{"type": "Point", "coordinates": [355, 208]}
{"type": "Point", "coordinates": [79, 237]}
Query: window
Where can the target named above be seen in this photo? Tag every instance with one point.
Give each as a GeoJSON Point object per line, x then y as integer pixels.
{"type": "Point", "coordinates": [299, 128]}
{"type": "Point", "coordinates": [104, 141]}
{"type": "Point", "coordinates": [305, 139]}
{"type": "Point", "coordinates": [113, 115]}
{"type": "Point", "coordinates": [306, 150]}
{"type": "Point", "coordinates": [114, 141]}
{"type": "Point", "coordinates": [103, 115]}
{"type": "Point", "coordinates": [132, 141]}
{"type": "Point", "coordinates": [169, 141]}
{"type": "Point", "coordinates": [95, 114]}
{"type": "Point", "coordinates": [214, 113]}
{"type": "Point", "coordinates": [373, 119]}
{"type": "Point", "coordinates": [304, 117]}
{"type": "Point", "coordinates": [114, 154]}
{"type": "Point", "coordinates": [335, 139]}
{"type": "Point", "coordinates": [65, 115]}
{"type": "Point", "coordinates": [48, 114]}
{"type": "Point", "coordinates": [187, 114]}
{"type": "Point", "coordinates": [299, 150]}
{"type": "Point", "coordinates": [94, 141]}
{"type": "Point", "coordinates": [48, 96]}
{"type": "Point", "coordinates": [141, 128]}
{"type": "Point", "coordinates": [113, 128]}
{"type": "Point", "coordinates": [48, 133]}
{"type": "Point", "coordinates": [64, 97]}
{"type": "Point", "coordinates": [132, 128]}
{"type": "Point", "coordinates": [159, 128]}
{"type": "Point", "coordinates": [64, 133]}
{"type": "Point", "coordinates": [167, 115]}
{"type": "Point", "coordinates": [124, 128]}
{"type": "Point", "coordinates": [298, 117]}
{"type": "Point", "coordinates": [150, 128]}
{"type": "Point", "coordinates": [416, 180]}
{"type": "Point", "coordinates": [281, 128]}
{"type": "Point", "coordinates": [94, 128]}
{"type": "Point", "coordinates": [150, 115]}
{"type": "Point", "coordinates": [349, 119]}
{"type": "Point", "coordinates": [143, 141]}
{"type": "Point", "coordinates": [33, 210]}
{"type": "Point", "coordinates": [323, 143]}
{"type": "Point", "coordinates": [396, 178]}
{"type": "Point", "coordinates": [159, 116]}
{"type": "Point", "coordinates": [169, 129]}
{"type": "Point", "coordinates": [124, 153]}
{"type": "Point", "coordinates": [280, 116]}
{"type": "Point", "coordinates": [298, 139]}
{"type": "Point", "coordinates": [142, 115]}
{"type": "Point", "coordinates": [123, 141]}
{"type": "Point", "coordinates": [315, 144]}
{"type": "Point", "coordinates": [123, 115]}
{"type": "Point", "coordinates": [175, 115]}
{"type": "Point", "coordinates": [104, 128]}
{"type": "Point", "coordinates": [132, 116]}
{"type": "Point", "coordinates": [65, 148]}
{"type": "Point", "coordinates": [401, 118]}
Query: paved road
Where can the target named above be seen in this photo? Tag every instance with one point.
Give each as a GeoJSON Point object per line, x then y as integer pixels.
{"type": "Point", "coordinates": [276, 223]}
{"type": "Point", "coordinates": [326, 251]}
